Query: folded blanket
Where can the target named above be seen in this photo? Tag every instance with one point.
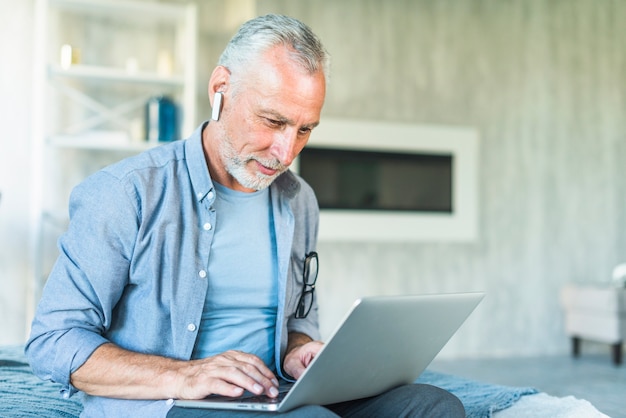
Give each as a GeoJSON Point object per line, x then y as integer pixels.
{"type": "Point", "coordinates": [25, 395]}
{"type": "Point", "coordinates": [481, 400]}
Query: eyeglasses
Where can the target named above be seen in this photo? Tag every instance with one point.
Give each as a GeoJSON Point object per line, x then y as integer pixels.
{"type": "Point", "coordinates": [309, 277]}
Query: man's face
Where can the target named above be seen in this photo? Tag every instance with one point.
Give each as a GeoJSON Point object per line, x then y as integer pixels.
{"type": "Point", "coordinates": [267, 121]}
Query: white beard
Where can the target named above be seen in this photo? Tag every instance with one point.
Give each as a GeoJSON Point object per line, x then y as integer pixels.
{"type": "Point", "coordinates": [237, 166]}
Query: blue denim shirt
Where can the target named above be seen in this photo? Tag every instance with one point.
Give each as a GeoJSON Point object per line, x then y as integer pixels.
{"type": "Point", "coordinates": [133, 262]}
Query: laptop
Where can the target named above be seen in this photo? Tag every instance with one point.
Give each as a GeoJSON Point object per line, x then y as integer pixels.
{"type": "Point", "coordinates": [383, 342]}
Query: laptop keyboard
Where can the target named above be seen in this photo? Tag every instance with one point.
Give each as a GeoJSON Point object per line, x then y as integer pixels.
{"type": "Point", "coordinates": [252, 398]}
{"type": "Point", "coordinates": [261, 399]}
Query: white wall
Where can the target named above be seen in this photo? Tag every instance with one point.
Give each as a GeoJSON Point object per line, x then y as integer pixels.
{"type": "Point", "coordinates": [15, 70]}
{"type": "Point", "coordinates": [542, 81]}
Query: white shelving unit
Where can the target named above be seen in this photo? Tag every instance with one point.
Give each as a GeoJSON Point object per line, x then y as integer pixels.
{"type": "Point", "coordinates": [92, 107]}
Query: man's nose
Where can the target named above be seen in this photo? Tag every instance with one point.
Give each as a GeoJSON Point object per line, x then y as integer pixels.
{"type": "Point", "coordinates": [284, 146]}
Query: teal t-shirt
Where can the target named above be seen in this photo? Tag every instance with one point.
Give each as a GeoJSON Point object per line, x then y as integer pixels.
{"type": "Point", "coordinates": [240, 307]}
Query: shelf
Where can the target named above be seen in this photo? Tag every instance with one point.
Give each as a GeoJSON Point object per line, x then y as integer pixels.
{"type": "Point", "coordinates": [102, 141]}
{"type": "Point", "coordinates": [127, 9]}
{"type": "Point", "coordinates": [96, 73]}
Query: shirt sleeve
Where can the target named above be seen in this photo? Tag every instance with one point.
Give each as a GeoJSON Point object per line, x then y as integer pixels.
{"type": "Point", "coordinates": [86, 281]}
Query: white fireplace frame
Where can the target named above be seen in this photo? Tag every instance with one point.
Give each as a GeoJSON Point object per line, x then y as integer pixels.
{"type": "Point", "coordinates": [362, 225]}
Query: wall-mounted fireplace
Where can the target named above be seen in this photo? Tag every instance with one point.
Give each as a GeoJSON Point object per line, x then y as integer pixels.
{"type": "Point", "coordinates": [379, 181]}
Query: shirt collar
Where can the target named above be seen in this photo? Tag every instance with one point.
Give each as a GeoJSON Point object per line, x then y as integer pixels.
{"type": "Point", "coordinates": [197, 165]}
{"type": "Point", "coordinates": [288, 184]}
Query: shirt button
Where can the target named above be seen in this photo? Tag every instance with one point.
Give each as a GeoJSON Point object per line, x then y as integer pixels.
{"type": "Point", "coordinates": [207, 226]}
{"type": "Point", "coordinates": [191, 327]}
{"type": "Point", "coordinates": [199, 195]}
{"type": "Point", "coordinates": [210, 195]}
{"type": "Point", "coordinates": [202, 274]}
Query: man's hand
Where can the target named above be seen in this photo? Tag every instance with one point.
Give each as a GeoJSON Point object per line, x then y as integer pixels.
{"type": "Point", "coordinates": [227, 374]}
{"type": "Point", "coordinates": [117, 373]}
{"type": "Point", "coordinates": [300, 352]}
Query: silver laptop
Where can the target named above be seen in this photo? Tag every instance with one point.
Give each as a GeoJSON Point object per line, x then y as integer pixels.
{"type": "Point", "coordinates": [383, 342]}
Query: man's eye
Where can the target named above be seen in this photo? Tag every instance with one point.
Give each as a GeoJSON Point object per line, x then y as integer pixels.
{"type": "Point", "coordinates": [304, 131]}
{"type": "Point", "coordinates": [275, 122]}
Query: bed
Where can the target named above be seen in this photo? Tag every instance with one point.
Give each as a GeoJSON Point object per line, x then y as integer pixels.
{"type": "Point", "coordinates": [25, 395]}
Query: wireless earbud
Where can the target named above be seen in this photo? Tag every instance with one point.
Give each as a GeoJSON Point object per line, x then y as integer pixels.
{"type": "Point", "coordinates": [217, 106]}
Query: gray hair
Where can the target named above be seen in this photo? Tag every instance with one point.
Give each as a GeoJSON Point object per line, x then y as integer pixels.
{"type": "Point", "coordinates": [264, 32]}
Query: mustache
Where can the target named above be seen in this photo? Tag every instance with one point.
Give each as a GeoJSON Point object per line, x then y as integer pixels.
{"type": "Point", "coordinates": [269, 163]}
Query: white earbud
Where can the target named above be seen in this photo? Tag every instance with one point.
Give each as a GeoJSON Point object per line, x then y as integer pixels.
{"type": "Point", "coordinates": [217, 106]}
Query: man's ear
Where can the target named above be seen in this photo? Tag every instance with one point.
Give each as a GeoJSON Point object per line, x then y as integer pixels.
{"type": "Point", "coordinates": [219, 81]}
{"type": "Point", "coordinates": [218, 85]}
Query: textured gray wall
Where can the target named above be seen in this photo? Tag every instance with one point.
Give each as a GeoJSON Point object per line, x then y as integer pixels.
{"type": "Point", "coordinates": [543, 81]}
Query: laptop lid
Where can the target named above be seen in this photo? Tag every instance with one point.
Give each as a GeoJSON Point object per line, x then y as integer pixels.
{"type": "Point", "coordinates": [383, 342]}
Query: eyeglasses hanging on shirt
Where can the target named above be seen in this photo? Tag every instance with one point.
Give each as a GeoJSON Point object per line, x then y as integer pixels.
{"type": "Point", "coordinates": [309, 277]}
